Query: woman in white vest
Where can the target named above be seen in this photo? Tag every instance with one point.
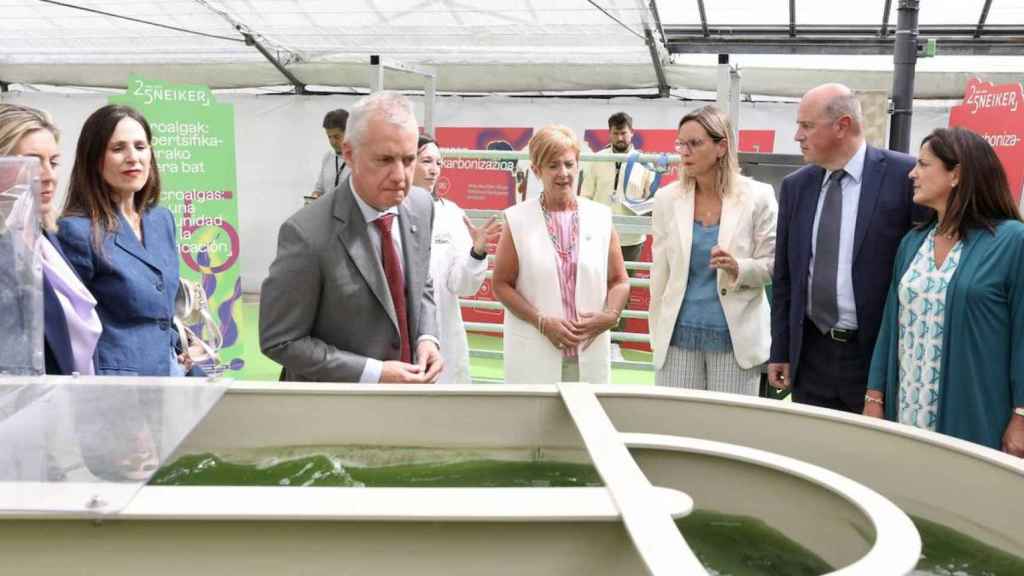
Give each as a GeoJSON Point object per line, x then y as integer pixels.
{"type": "Point", "coordinates": [714, 247]}
{"type": "Point", "coordinates": [458, 263]}
{"type": "Point", "coordinates": [559, 272]}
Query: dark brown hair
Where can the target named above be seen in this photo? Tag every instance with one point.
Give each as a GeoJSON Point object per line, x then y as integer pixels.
{"type": "Point", "coordinates": [620, 120]}
{"type": "Point", "coordinates": [981, 199]}
{"type": "Point", "coordinates": [89, 194]}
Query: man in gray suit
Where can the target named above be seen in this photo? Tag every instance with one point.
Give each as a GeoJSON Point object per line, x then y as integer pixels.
{"type": "Point", "coordinates": [349, 296]}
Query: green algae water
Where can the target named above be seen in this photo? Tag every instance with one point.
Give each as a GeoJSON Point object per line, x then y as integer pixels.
{"type": "Point", "coordinates": [728, 545]}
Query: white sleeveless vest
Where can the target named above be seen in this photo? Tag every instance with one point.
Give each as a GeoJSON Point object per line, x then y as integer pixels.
{"type": "Point", "coordinates": [529, 356]}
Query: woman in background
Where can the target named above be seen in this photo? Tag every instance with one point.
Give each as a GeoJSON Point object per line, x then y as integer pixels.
{"type": "Point", "coordinates": [560, 274]}
{"type": "Point", "coordinates": [458, 263]}
{"type": "Point", "coordinates": [123, 244]}
{"type": "Point", "coordinates": [714, 247]}
{"type": "Point", "coordinates": [71, 323]}
{"type": "Point", "coordinates": [948, 356]}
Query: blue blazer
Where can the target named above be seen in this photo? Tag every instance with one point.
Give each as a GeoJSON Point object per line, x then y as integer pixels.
{"type": "Point", "coordinates": [56, 339]}
{"type": "Point", "coordinates": [134, 286]}
{"type": "Point", "coordinates": [884, 215]}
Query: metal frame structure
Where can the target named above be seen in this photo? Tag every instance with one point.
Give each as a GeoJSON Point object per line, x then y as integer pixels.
{"type": "Point", "coordinates": [793, 38]}
{"type": "Point", "coordinates": [377, 67]}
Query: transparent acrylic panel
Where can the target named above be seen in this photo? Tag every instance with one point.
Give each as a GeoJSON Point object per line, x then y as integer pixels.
{"type": "Point", "coordinates": [21, 273]}
{"type": "Point", "coordinates": [88, 444]}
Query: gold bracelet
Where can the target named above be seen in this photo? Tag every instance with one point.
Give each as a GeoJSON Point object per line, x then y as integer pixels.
{"type": "Point", "coordinates": [540, 324]}
{"type": "Point", "coordinates": [873, 400]}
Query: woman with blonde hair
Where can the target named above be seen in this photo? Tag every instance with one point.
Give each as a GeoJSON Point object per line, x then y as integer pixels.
{"type": "Point", "coordinates": [71, 324]}
{"type": "Point", "coordinates": [714, 247]}
{"type": "Point", "coordinates": [560, 274]}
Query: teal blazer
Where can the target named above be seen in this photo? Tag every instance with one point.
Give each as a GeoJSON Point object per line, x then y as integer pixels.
{"type": "Point", "coordinates": [982, 365]}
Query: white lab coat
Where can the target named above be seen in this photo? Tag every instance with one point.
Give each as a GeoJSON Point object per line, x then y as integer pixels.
{"type": "Point", "coordinates": [455, 274]}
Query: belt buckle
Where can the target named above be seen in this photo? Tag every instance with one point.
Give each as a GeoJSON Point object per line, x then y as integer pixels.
{"type": "Point", "coordinates": [838, 335]}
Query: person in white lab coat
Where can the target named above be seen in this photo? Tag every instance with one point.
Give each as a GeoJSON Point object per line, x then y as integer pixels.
{"type": "Point", "coordinates": [458, 263]}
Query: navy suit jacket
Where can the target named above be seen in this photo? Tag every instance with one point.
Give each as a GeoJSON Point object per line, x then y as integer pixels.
{"type": "Point", "coordinates": [134, 286]}
{"type": "Point", "coordinates": [884, 214]}
{"type": "Point", "coordinates": [56, 339]}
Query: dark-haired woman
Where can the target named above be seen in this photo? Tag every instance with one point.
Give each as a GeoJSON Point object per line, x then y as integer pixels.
{"type": "Point", "coordinates": [122, 243]}
{"type": "Point", "coordinates": [948, 356]}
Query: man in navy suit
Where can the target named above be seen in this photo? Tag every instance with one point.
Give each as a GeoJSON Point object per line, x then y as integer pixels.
{"type": "Point", "coordinates": [841, 218]}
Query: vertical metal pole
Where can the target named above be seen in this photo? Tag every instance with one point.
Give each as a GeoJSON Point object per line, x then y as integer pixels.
{"type": "Point", "coordinates": [734, 103]}
{"type": "Point", "coordinates": [724, 82]}
{"type": "Point", "coordinates": [429, 99]}
{"type": "Point", "coordinates": [376, 74]}
{"type": "Point", "coordinates": [904, 63]}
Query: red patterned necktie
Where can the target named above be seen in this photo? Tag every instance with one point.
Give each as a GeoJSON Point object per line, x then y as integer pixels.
{"type": "Point", "coordinates": [396, 282]}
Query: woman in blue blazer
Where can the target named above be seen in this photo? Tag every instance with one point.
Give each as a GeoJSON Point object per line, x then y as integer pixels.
{"type": "Point", "coordinates": [71, 324]}
{"type": "Point", "coordinates": [123, 244]}
{"type": "Point", "coordinates": [948, 356]}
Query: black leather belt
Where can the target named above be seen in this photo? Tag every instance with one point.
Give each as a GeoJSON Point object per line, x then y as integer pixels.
{"type": "Point", "coordinates": [840, 335]}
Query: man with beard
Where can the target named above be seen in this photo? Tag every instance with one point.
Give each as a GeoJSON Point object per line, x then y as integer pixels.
{"type": "Point", "coordinates": [609, 182]}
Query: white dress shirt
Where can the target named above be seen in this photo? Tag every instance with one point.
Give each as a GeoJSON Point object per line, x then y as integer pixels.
{"type": "Point", "coordinates": [850, 186]}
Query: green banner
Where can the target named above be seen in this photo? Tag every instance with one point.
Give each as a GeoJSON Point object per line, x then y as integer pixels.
{"type": "Point", "coordinates": [194, 148]}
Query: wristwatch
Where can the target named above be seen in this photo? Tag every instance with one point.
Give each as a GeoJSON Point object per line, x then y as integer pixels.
{"type": "Point", "coordinates": [1019, 410]}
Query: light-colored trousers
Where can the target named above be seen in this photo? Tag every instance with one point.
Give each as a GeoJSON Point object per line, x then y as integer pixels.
{"type": "Point", "coordinates": [714, 371]}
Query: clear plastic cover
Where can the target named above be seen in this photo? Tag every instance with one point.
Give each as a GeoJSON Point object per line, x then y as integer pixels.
{"type": "Point", "coordinates": [88, 444]}
{"type": "Point", "coordinates": [21, 273]}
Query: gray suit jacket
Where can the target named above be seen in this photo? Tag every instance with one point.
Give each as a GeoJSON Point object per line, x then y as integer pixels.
{"type": "Point", "coordinates": [325, 306]}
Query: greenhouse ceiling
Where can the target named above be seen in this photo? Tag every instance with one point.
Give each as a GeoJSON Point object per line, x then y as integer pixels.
{"type": "Point", "coordinates": [521, 46]}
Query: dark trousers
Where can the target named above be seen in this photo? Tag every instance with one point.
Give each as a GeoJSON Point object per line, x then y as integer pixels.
{"type": "Point", "coordinates": [832, 374]}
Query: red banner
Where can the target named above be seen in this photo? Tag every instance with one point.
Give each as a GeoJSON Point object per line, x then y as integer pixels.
{"type": "Point", "coordinates": [758, 141]}
{"type": "Point", "coordinates": [997, 114]}
{"type": "Point", "coordinates": [480, 184]}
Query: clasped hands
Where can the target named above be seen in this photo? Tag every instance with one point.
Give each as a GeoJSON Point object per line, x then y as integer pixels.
{"type": "Point", "coordinates": [426, 370]}
{"type": "Point", "coordinates": [564, 333]}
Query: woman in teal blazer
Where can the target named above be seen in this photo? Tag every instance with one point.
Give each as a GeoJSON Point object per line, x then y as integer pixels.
{"type": "Point", "coordinates": [122, 243]}
{"type": "Point", "coordinates": [950, 354]}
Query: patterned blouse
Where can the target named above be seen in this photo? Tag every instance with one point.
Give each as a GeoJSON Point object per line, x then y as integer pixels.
{"type": "Point", "coordinates": [564, 230]}
{"type": "Point", "coordinates": [922, 299]}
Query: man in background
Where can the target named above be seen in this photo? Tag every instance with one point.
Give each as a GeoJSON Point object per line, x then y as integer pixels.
{"type": "Point", "coordinates": [333, 169]}
{"type": "Point", "coordinates": [610, 182]}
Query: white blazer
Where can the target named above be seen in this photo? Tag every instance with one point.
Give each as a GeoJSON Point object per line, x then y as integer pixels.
{"type": "Point", "coordinates": [529, 356]}
{"type": "Point", "coordinates": [747, 232]}
{"type": "Point", "coordinates": [455, 273]}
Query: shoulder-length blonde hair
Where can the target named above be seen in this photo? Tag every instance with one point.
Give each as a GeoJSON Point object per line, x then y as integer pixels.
{"type": "Point", "coordinates": [550, 141]}
{"type": "Point", "coordinates": [17, 122]}
{"type": "Point", "coordinates": [716, 123]}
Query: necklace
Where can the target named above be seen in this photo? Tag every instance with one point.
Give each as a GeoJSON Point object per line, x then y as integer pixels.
{"type": "Point", "coordinates": [550, 225]}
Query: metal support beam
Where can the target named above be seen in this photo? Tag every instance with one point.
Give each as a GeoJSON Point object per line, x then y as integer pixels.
{"type": "Point", "coordinates": [703, 19]}
{"type": "Point", "coordinates": [729, 91]}
{"type": "Point", "coordinates": [983, 18]}
{"type": "Point", "coordinates": [884, 32]}
{"type": "Point", "coordinates": [659, 70]}
{"type": "Point", "coordinates": [904, 64]}
{"type": "Point", "coordinates": [250, 40]}
{"type": "Point", "coordinates": [377, 67]}
{"type": "Point", "coordinates": [792, 18]}
{"type": "Point", "coordinates": [851, 39]}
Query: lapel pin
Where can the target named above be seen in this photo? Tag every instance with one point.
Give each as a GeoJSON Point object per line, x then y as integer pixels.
{"type": "Point", "coordinates": [413, 228]}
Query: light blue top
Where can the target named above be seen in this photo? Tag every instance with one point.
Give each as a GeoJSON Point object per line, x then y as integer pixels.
{"type": "Point", "coordinates": [701, 323]}
{"type": "Point", "coordinates": [850, 186]}
{"type": "Point", "coordinates": [922, 294]}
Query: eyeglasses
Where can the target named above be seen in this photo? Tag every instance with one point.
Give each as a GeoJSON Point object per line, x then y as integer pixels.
{"type": "Point", "coordinates": [689, 144]}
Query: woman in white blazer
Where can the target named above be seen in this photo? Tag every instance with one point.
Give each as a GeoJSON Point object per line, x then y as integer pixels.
{"type": "Point", "coordinates": [559, 272]}
{"type": "Point", "coordinates": [714, 247]}
{"type": "Point", "coordinates": [458, 263]}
